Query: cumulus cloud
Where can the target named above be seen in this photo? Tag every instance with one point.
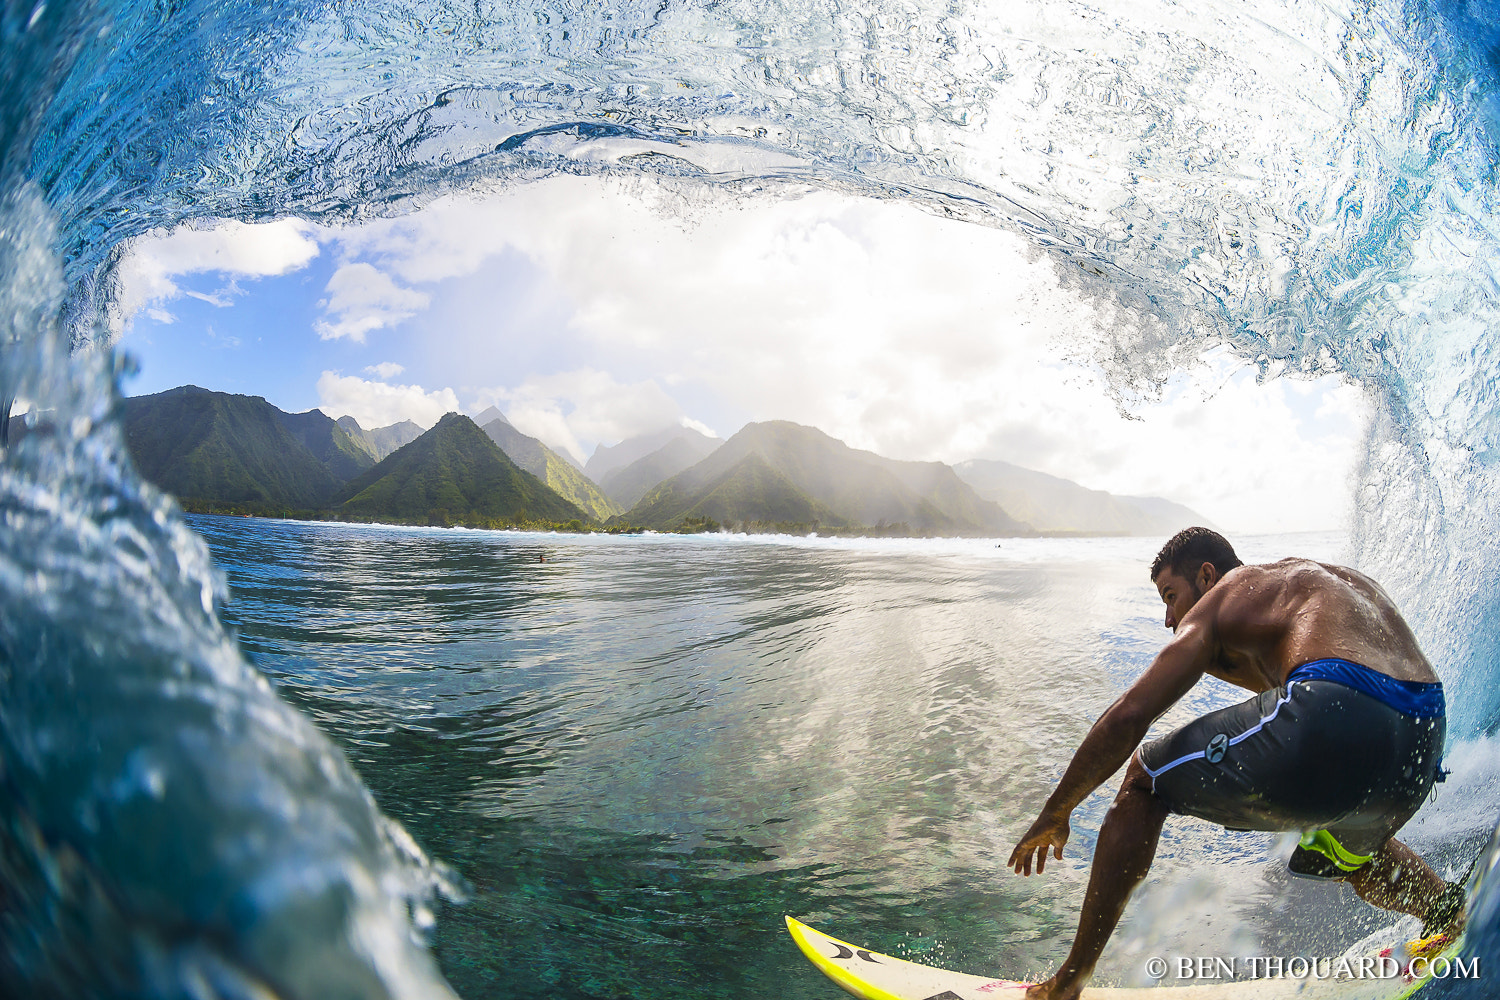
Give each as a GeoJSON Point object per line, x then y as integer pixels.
{"type": "Point", "coordinates": [384, 370]}
{"type": "Point", "coordinates": [362, 298]}
{"type": "Point", "coordinates": [377, 404]}
{"type": "Point", "coordinates": [1245, 456]}
{"type": "Point", "coordinates": [236, 249]}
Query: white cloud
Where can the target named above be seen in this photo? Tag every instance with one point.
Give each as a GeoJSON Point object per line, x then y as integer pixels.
{"type": "Point", "coordinates": [362, 298]}
{"type": "Point", "coordinates": [1243, 457]}
{"type": "Point", "coordinates": [699, 426]}
{"type": "Point", "coordinates": [376, 404]}
{"type": "Point", "coordinates": [236, 249]}
{"type": "Point", "coordinates": [385, 370]}
{"type": "Point", "coordinates": [221, 299]}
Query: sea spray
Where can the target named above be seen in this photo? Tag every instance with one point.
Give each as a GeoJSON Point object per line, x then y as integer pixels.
{"type": "Point", "coordinates": [171, 827]}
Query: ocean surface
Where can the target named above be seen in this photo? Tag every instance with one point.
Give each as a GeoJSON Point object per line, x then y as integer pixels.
{"type": "Point", "coordinates": [637, 755]}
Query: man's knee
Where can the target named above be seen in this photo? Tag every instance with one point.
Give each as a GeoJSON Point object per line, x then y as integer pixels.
{"type": "Point", "coordinates": [1137, 778]}
{"type": "Point", "coordinates": [1138, 785]}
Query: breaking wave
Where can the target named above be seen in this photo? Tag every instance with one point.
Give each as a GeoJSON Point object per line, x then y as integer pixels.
{"type": "Point", "coordinates": [1307, 184]}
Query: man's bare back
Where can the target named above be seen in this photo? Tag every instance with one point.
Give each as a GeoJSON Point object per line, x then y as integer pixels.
{"type": "Point", "coordinates": [1266, 620]}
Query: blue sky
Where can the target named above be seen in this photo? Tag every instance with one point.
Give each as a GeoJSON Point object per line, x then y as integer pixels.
{"type": "Point", "coordinates": [588, 313]}
{"type": "Point", "coordinates": [257, 335]}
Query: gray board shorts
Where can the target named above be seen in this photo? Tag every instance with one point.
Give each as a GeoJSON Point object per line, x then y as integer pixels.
{"type": "Point", "coordinates": [1338, 762]}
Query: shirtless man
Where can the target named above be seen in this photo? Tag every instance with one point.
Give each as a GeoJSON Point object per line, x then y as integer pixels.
{"type": "Point", "coordinates": [1341, 742]}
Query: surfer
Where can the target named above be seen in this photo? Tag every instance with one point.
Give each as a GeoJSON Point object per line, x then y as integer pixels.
{"type": "Point", "coordinates": [1341, 741]}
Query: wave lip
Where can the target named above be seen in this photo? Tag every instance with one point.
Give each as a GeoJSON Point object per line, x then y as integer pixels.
{"type": "Point", "coordinates": [171, 827]}
{"type": "Point", "coordinates": [1311, 185]}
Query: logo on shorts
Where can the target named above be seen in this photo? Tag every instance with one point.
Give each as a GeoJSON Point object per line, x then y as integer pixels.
{"type": "Point", "coordinates": [1216, 748]}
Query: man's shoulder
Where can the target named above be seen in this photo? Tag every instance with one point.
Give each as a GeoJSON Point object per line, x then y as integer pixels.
{"type": "Point", "coordinates": [1295, 580]}
{"type": "Point", "coordinates": [1292, 568]}
{"type": "Point", "coordinates": [1252, 585]}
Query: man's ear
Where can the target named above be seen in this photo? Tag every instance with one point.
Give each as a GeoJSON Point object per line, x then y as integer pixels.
{"type": "Point", "coordinates": [1208, 575]}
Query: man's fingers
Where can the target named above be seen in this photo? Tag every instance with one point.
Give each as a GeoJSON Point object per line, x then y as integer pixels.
{"type": "Point", "coordinates": [1034, 849]}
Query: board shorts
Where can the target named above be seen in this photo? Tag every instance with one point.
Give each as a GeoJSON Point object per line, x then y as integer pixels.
{"type": "Point", "coordinates": [1343, 754]}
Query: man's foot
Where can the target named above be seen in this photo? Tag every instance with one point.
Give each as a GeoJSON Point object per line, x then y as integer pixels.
{"type": "Point", "coordinates": [1053, 990]}
{"type": "Point", "coordinates": [1446, 914]}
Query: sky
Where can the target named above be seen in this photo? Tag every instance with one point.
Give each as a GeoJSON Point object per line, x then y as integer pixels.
{"type": "Point", "coordinates": [590, 312]}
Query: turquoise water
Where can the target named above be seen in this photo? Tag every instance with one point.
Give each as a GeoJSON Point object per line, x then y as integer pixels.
{"type": "Point", "coordinates": [641, 752]}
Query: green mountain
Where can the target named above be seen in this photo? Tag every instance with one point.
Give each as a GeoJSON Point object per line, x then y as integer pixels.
{"type": "Point", "coordinates": [790, 476]}
{"type": "Point", "coordinates": [381, 441]}
{"type": "Point", "coordinates": [627, 484]}
{"type": "Point", "coordinates": [748, 494]}
{"type": "Point", "coordinates": [333, 446]}
{"type": "Point", "coordinates": [548, 466]}
{"type": "Point", "coordinates": [218, 451]}
{"type": "Point", "coordinates": [1052, 504]}
{"type": "Point", "coordinates": [454, 474]}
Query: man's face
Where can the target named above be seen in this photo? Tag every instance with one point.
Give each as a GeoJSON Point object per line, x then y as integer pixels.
{"type": "Point", "coordinates": [1178, 593]}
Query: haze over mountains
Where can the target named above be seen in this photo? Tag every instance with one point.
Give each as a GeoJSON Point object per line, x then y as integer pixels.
{"type": "Point", "coordinates": [1051, 504]}
{"type": "Point", "coordinates": [226, 453]}
{"type": "Point", "coordinates": [630, 468]}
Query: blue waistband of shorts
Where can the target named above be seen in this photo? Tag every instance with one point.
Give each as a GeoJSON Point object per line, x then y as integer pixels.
{"type": "Point", "coordinates": [1415, 698]}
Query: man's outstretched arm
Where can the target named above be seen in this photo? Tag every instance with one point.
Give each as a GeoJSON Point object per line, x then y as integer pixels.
{"type": "Point", "coordinates": [1115, 735]}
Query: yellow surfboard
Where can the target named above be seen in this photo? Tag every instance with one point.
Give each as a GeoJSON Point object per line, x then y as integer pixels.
{"type": "Point", "coordinates": [873, 976]}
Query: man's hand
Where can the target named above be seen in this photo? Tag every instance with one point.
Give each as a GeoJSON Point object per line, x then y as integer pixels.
{"type": "Point", "coordinates": [1049, 831]}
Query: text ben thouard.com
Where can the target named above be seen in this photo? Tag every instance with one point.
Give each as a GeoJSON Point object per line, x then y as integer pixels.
{"type": "Point", "coordinates": [1298, 967]}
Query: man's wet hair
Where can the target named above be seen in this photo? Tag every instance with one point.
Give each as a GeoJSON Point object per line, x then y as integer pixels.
{"type": "Point", "coordinates": [1191, 548]}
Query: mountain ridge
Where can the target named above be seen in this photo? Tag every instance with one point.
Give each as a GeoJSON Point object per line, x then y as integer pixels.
{"type": "Point", "coordinates": [209, 448]}
{"type": "Point", "coordinates": [235, 454]}
{"type": "Point", "coordinates": [454, 473]}
{"type": "Point", "coordinates": [822, 480]}
{"type": "Point", "coordinates": [229, 453]}
{"type": "Point", "coordinates": [381, 441]}
{"type": "Point", "coordinates": [557, 472]}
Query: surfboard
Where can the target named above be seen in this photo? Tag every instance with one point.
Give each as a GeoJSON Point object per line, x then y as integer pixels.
{"type": "Point", "coordinates": [872, 976]}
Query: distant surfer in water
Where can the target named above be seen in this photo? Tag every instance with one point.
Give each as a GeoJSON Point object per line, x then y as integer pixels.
{"type": "Point", "coordinates": [1341, 742]}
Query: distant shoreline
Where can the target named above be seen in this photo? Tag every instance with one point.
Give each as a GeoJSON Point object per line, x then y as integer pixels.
{"type": "Point", "coordinates": [569, 528]}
